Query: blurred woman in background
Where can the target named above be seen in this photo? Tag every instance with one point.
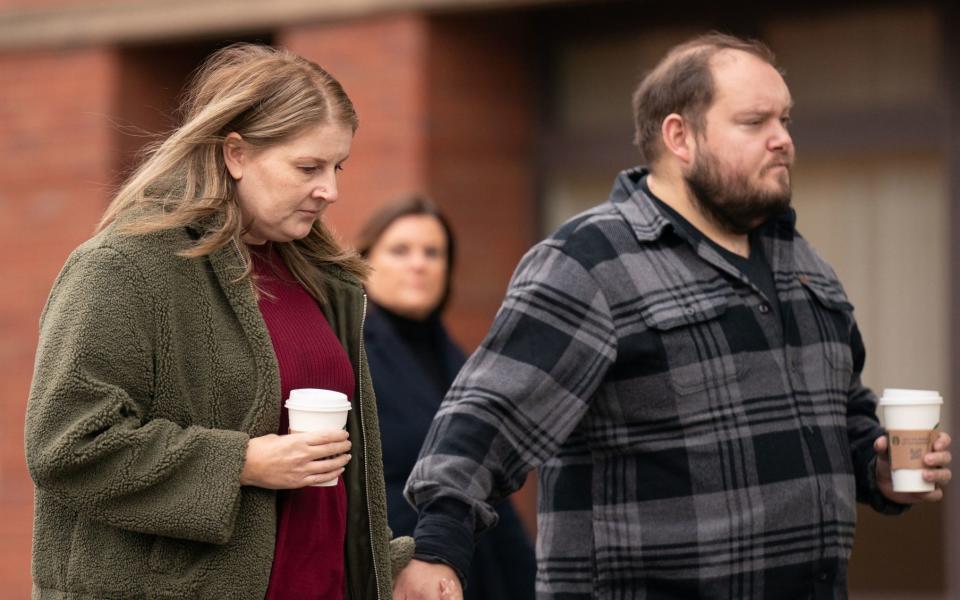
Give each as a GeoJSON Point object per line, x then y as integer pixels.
{"type": "Point", "coordinates": [410, 247]}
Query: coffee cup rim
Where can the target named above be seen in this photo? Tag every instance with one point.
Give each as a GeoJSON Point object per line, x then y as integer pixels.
{"type": "Point", "coordinates": [908, 397]}
{"type": "Point", "coordinates": [305, 405]}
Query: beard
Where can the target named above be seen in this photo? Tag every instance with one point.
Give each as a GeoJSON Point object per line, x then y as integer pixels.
{"type": "Point", "coordinates": [730, 200]}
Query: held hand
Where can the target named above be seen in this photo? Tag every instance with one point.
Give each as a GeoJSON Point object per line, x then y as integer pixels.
{"type": "Point", "coordinates": [936, 471]}
{"type": "Point", "coordinates": [421, 580]}
{"type": "Point", "coordinates": [283, 462]}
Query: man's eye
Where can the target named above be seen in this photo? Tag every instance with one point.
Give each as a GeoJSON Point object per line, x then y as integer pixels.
{"type": "Point", "coordinates": [309, 170]}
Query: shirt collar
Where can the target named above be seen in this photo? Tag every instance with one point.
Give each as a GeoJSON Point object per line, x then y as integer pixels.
{"type": "Point", "coordinates": [643, 215]}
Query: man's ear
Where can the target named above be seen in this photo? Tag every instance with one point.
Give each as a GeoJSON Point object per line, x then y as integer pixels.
{"type": "Point", "coordinates": [677, 137]}
{"type": "Point", "coordinates": [235, 153]}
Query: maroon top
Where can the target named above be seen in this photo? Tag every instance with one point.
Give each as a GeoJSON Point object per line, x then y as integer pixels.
{"type": "Point", "coordinates": [311, 522]}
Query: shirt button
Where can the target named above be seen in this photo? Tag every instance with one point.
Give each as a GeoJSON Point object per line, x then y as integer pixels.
{"type": "Point", "coordinates": [764, 308]}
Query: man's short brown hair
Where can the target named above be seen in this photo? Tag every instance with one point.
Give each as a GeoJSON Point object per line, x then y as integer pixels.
{"type": "Point", "coordinates": [682, 83]}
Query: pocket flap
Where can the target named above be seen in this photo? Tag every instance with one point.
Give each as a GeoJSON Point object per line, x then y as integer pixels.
{"type": "Point", "coordinates": [828, 292]}
{"type": "Point", "coordinates": [673, 311]}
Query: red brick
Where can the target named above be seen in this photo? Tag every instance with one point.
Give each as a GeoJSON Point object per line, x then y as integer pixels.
{"type": "Point", "coordinates": [59, 148]}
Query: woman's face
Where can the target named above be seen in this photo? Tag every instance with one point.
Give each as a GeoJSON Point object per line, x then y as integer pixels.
{"type": "Point", "coordinates": [284, 188]}
{"type": "Point", "coordinates": [409, 266]}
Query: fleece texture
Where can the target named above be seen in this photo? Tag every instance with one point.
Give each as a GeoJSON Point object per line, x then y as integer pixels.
{"type": "Point", "coordinates": [152, 373]}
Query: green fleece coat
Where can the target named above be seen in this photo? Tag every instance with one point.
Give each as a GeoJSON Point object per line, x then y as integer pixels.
{"type": "Point", "coordinates": [152, 373]}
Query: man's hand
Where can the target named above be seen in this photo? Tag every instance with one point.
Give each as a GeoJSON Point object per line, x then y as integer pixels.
{"type": "Point", "coordinates": [935, 471]}
{"type": "Point", "coordinates": [421, 580]}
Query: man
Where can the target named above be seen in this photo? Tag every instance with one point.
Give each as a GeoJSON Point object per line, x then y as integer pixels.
{"type": "Point", "coordinates": [680, 365]}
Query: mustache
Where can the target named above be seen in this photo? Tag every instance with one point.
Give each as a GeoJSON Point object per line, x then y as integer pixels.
{"type": "Point", "coordinates": [780, 163]}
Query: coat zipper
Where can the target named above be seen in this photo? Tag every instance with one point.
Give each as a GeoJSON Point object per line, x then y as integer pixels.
{"type": "Point", "coordinates": [363, 431]}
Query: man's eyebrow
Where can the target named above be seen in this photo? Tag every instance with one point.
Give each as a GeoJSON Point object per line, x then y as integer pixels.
{"type": "Point", "coordinates": [764, 111]}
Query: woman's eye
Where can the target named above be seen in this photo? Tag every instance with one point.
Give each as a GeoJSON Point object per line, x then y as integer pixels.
{"type": "Point", "coordinates": [309, 170]}
{"type": "Point", "coordinates": [398, 250]}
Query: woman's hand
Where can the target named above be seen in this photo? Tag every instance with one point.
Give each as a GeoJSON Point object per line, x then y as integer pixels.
{"type": "Point", "coordinates": [283, 462]}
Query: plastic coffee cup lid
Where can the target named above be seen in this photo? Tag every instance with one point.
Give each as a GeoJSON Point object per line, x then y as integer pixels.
{"type": "Point", "coordinates": [317, 400]}
{"type": "Point", "coordinates": [901, 397]}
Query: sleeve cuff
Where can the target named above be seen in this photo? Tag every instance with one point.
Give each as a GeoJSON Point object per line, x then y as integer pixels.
{"type": "Point", "coordinates": [440, 539]}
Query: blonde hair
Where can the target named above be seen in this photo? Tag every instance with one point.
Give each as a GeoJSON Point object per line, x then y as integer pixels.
{"type": "Point", "coordinates": [266, 95]}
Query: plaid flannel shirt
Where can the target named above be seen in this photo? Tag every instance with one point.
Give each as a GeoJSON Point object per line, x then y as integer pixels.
{"type": "Point", "coordinates": [690, 443]}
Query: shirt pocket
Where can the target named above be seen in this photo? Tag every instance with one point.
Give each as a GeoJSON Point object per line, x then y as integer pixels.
{"type": "Point", "coordinates": [694, 344]}
{"type": "Point", "coordinates": [833, 317]}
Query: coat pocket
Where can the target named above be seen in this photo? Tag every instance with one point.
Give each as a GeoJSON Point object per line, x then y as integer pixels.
{"type": "Point", "coordinates": [168, 555]}
{"type": "Point", "coordinates": [108, 562]}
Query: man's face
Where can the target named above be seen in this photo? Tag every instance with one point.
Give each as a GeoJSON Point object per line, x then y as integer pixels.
{"type": "Point", "coordinates": [740, 172]}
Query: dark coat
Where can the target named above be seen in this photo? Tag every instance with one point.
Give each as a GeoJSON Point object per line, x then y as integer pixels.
{"type": "Point", "coordinates": [503, 567]}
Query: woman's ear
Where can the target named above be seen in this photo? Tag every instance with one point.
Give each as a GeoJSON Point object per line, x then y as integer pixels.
{"type": "Point", "coordinates": [677, 137]}
{"type": "Point", "coordinates": [234, 154]}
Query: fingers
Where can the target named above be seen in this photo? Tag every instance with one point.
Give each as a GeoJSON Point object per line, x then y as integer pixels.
{"type": "Point", "coordinates": [314, 446]}
{"type": "Point", "coordinates": [937, 459]}
{"type": "Point", "coordinates": [942, 442]}
{"type": "Point", "coordinates": [323, 477]}
{"type": "Point", "coordinates": [328, 450]}
{"type": "Point", "coordinates": [449, 590]}
{"type": "Point", "coordinates": [938, 476]}
{"type": "Point", "coordinates": [319, 438]}
{"type": "Point", "coordinates": [329, 464]}
{"type": "Point", "coordinates": [880, 445]}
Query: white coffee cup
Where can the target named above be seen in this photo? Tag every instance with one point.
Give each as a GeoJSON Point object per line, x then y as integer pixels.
{"type": "Point", "coordinates": [911, 418]}
{"type": "Point", "coordinates": [312, 409]}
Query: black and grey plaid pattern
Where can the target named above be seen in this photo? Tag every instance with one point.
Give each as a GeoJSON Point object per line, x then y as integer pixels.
{"type": "Point", "coordinates": [690, 443]}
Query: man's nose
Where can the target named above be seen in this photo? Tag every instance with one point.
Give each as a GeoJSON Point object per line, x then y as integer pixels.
{"type": "Point", "coordinates": [782, 141]}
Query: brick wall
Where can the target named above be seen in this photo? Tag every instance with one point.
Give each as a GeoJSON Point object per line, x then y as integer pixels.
{"type": "Point", "coordinates": [482, 165]}
{"type": "Point", "coordinates": [57, 149]}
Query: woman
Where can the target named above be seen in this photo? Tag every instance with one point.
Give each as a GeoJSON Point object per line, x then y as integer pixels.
{"type": "Point", "coordinates": [410, 248]}
{"type": "Point", "coordinates": [171, 337]}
